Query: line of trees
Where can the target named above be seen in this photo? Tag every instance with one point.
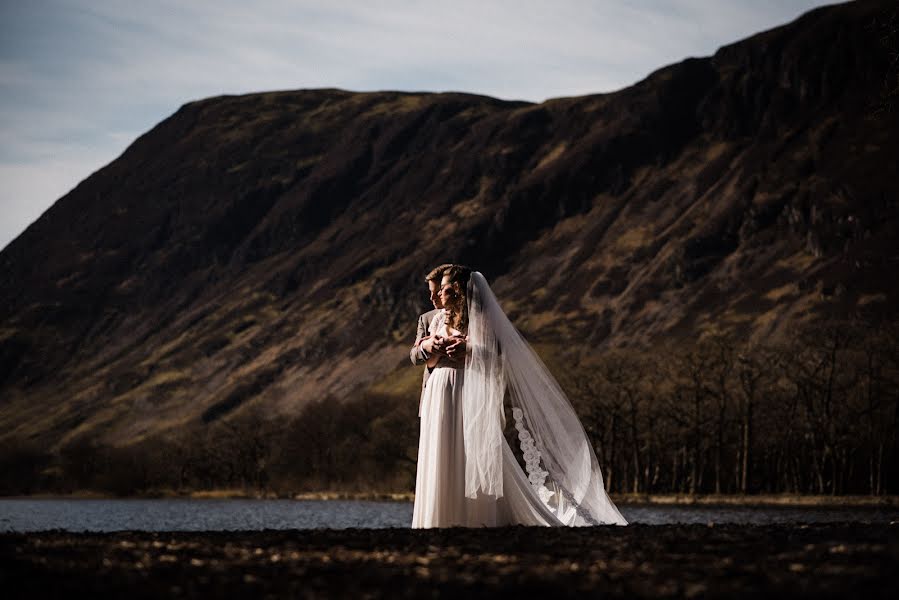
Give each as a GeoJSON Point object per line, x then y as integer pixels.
{"type": "Point", "coordinates": [363, 446]}
{"type": "Point", "coordinates": [815, 415]}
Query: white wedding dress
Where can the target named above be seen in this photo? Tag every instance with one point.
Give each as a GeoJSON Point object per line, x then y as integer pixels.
{"type": "Point", "coordinates": [440, 499]}
{"type": "Point", "coordinates": [467, 474]}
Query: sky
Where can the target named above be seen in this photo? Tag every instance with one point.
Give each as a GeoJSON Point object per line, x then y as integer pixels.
{"type": "Point", "coordinates": [81, 79]}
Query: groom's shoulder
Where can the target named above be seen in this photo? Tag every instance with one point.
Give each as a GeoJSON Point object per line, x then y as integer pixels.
{"type": "Point", "coordinates": [428, 316]}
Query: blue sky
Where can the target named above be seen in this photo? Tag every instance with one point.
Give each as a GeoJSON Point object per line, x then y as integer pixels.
{"type": "Point", "coordinates": [80, 79]}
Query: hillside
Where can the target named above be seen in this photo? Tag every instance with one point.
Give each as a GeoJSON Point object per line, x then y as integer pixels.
{"type": "Point", "coordinates": [269, 249]}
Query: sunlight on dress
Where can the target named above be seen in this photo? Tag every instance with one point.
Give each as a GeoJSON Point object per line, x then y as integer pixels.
{"type": "Point", "coordinates": [440, 478]}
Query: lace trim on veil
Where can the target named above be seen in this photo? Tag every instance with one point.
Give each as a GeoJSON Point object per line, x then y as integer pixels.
{"type": "Point", "coordinates": [537, 475]}
{"type": "Point", "coordinates": [558, 454]}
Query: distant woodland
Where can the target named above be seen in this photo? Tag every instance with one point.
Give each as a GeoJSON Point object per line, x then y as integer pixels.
{"type": "Point", "coordinates": [815, 415]}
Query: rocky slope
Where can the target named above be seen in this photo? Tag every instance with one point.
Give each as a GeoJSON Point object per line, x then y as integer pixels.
{"type": "Point", "coordinates": [269, 248]}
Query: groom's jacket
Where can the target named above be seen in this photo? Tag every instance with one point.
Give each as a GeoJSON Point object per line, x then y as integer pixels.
{"type": "Point", "coordinates": [419, 356]}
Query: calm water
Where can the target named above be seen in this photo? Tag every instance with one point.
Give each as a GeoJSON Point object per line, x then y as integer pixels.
{"type": "Point", "coordinates": [234, 514]}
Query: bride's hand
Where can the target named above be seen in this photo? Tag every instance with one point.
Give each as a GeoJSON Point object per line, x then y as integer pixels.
{"type": "Point", "coordinates": [433, 344]}
{"type": "Point", "coordinates": [457, 347]}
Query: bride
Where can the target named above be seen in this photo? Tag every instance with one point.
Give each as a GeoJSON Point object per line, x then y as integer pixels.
{"type": "Point", "coordinates": [467, 473]}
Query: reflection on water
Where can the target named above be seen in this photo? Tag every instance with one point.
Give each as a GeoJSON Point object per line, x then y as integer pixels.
{"type": "Point", "coordinates": [178, 514]}
{"type": "Point", "coordinates": [755, 515]}
{"type": "Point", "coordinates": [248, 514]}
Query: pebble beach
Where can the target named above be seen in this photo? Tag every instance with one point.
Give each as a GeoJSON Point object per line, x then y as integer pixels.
{"type": "Point", "coordinates": [833, 560]}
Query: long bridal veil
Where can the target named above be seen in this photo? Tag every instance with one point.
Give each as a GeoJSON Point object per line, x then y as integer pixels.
{"type": "Point", "coordinates": [560, 461]}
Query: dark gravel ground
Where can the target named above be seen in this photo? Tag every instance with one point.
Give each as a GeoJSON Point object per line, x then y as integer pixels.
{"type": "Point", "coordinates": [829, 560]}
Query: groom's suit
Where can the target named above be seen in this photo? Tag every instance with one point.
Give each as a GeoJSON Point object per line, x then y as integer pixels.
{"type": "Point", "coordinates": [419, 356]}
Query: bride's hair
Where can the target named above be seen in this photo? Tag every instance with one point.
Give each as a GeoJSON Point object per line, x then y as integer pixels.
{"type": "Point", "coordinates": [457, 307]}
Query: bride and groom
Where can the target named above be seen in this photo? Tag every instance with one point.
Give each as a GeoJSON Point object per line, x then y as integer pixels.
{"type": "Point", "coordinates": [476, 363]}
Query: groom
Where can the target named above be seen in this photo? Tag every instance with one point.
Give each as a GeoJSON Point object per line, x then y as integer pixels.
{"type": "Point", "coordinates": [417, 353]}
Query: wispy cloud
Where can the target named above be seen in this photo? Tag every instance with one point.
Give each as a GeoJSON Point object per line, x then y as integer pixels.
{"type": "Point", "coordinates": [80, 79]}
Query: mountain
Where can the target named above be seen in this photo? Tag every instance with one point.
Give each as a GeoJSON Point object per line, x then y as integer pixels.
{"type": "Point", "coordinates": [269, 249]}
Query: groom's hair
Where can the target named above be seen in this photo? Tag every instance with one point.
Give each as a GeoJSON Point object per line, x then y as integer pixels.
{"type": "Point", "coordinates": [437, 272]}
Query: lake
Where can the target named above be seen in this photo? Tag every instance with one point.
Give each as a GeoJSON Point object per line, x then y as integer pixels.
{"type": "Point", "coordinates": [176, 514]}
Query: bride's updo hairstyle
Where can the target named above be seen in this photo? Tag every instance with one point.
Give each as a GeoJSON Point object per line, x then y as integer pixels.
{"type": "Point", "coordinates": [456, 303]}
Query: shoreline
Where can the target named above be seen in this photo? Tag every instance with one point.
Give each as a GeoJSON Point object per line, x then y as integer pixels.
{"type": "Point", "coordinates": [791, 500]}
